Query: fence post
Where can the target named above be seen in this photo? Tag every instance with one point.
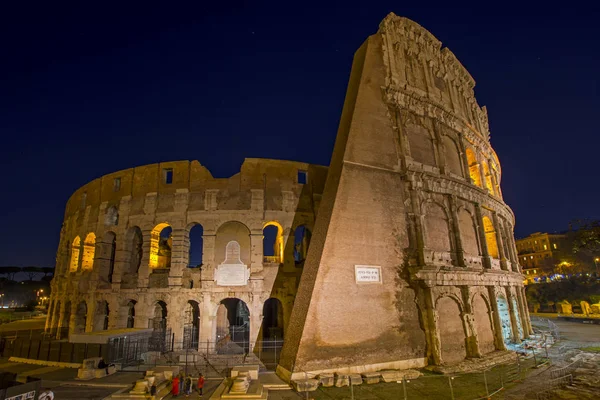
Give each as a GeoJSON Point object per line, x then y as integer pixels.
{"type": "Point", "coordinates": [404, 386]}
{"type": "Point", "coordinates": [534, 357]}
{"type": "Point", "coordinates": [487, 392]}
{"type": "Point", "coordinates": [451, 389]}
{"type": "Point", "coordinates": [351, 388]}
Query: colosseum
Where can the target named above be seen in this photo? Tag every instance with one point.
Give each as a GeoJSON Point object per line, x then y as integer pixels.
{"type": "Point", "coordinates": [412, 258]}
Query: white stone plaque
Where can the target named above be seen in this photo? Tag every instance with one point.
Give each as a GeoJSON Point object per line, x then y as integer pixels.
{"type": "Point", "coordinates": [232, 272]}
{"type": "Point", "coordinates": [232, 275]}
{"type": "Point", "coordinates": [367, 273]}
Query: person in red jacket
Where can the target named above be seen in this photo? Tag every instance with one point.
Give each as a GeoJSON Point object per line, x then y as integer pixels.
{"type": "Point", "coordinates": [175, 386]}
{"type": "Point", "coordinates": [200, 384]}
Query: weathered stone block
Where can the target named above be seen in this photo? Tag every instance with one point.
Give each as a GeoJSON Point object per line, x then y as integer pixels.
{"type": "Point", "coordinates": [327, 379]}
{"type": "Point", "coordinates": [342, 380]}
{"type": "Point", "coordinates": [305, 385]}
{"type": "Point", "coordinates": [355, 379]}
{"type": "Point", "coordinates": [371, 377]}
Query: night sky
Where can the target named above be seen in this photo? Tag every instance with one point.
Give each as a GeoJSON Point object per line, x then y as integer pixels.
{"type": "Point", "coordinates": [88, 91]}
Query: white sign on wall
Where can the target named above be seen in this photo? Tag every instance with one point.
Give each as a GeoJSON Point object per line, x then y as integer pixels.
{"type": "Point", "coordinates": [232, 272]}
{"type": "Point", "coordinates": [367, 273]}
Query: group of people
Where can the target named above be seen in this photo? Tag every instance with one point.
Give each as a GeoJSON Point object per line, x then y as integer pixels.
{"type": "Point", "coordinates": [185, 385]}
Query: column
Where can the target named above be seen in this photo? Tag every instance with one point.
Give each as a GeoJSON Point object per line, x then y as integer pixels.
{"type": "Point", "coordinates": [180, 254]}
{"type": "Point", "coordinates": [463, 155]}
{"type": "Point", "coordinates": [255, 320]}
{"type": "Point", "coordinates": [500, 241]}
{"type": "Point", "coordinates": [525, 314]}
{"type": "Point", "coordinates": [144, 271]}
{"type": "Point", "coordinates": [50, 315]}
{"type": "Point", "coordinates": [256, 251]}
{"type": "Point", "coordinates": [485, 255]}
{"type": "Point", "coordinates": [460, 256]}
{"type": "Point", "coordinates": [209, 239]}
{"type": "Point", "coordinates": [61, 316]}
{"type": "Point", "coordinates": [469, 324]}
{"type": "Point", "coordinates": [498, 339]}
{"type": "Point", "coordinates": [122, 257]}
{"type": "Point", "coordinates": [513, 315]}
{"type": "Point", "coordinates": [430, 316]}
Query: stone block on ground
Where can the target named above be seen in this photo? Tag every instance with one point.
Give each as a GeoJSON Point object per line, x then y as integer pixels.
{"type": "Point", "coordinates": [327, 379]}
{"type": "Point", "coordinates": [342, 380]}
{"type": "Point", "coordinates": [371, 377]}
{"type": "Point", "coordinates": [355, 379]}
{"type": "Point", "coordinates": [393, 375]}
{"type": "Point", "coordinates": [305, 385]}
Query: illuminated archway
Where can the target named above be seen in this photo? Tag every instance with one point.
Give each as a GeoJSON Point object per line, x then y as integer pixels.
{"type": "Point", "coordinates": [489, 185]}
{"type": "Point", "coordinates": [89, 249]}
{"type": "Point", "coordinates": [160, 246]}
{"type": "Point", "coordinates": [273, 242]}
{"type": "Point", "coordinates": [75, 250]}
{"type": "Point", "coordinates": [490, 237]}
{"type": "Point", "coordinates": [474, 172]}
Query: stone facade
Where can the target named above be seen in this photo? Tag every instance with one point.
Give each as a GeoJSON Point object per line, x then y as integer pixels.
{"type": "Point", "coordinates": [115, 269]}
{"type": "Point", "coordinates": [413, 258]}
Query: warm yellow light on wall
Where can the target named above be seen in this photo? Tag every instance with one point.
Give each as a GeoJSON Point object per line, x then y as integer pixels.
{"type": "Point", "coordinates": [75, 249]}
{"type": "Point", "coordinates": [490, 237]}
{"type": "Point", "coordinates": [155, 243]}
{"type": "Point", "coordinates": [474, 172]}
{"type": "Point", "coordinates": [489, 185]}
{"type": "Point", "coordinates": [89, 250]}
{"type": "Point", "coordinates": [278, 240]}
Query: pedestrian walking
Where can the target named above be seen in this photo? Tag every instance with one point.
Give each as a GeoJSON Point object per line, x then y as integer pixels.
{"type": "Point", "coordinates": [200, 384]}
{"type": "Point", "coordinates": [175, 386]}
{"type": "Point", "coordinates": [181, 381]}
{"type": "Point", "coordinates": [188, 385]}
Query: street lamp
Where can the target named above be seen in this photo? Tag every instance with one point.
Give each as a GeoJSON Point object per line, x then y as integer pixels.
{"type": "Point", "coordinates": [2, 297]}
{"type": "Point", "coordinates": [596, 263]}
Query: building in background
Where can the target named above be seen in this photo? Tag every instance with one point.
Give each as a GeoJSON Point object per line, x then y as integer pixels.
{"type": "Point", "coordinates": [539, 253]}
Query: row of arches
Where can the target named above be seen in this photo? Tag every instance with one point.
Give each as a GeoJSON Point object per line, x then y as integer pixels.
{"type": "Point", "coordinates": [162, 245]}
{"type": "Point", "coordinates": [461, 337]}
{"type": "Point", "coordinates": [232, 322]}
{"type": "Point", "coordinates": [462, 231]}
{"type": "Point", "coordinates": [443, 151]}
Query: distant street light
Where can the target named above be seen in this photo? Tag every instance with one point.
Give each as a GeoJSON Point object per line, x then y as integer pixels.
{"type": "Point", "coordinates": [596, 263]}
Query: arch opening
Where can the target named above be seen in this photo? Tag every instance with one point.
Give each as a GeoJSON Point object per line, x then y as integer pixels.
{"type": "Point", "coordinates": [196, 235]}
{"type": "Point", "coordinates": [112, 216]}
{"type": "Point", "coordinates": [474, 172]}
{"type": "Point", "coordinates": [483, 324]}
{"type": "Point", "coordinates": [161, 242]}
{"type": "Point", "coordinates": [159, 320]}
{"type": "Point", "coordinates": [191, 325]}
{"type": "Point", "coordinates": [273, 242]}
{"type": "Point", "coordinates": [452, 333]}
{"type": "Point", "coordinates": [272, 323]}
{"type": "Point", "coordinates": [490, 237]}
{"type": "Point", "coordinates": [130, 314]}
{"type": "Point", "coordinates": [302, 236]}
{"type": "Point", "coordinates": [101, 316]}
{"type": "Point", "coordinates": [75, 250]}
{"type": "Point", "coordinates": [80, 318]}
{"type": "Point", "coordinates": [468, 233]}
{"type": "Point", "coordinates": [504, 313]}
{"type": "Point", "coordinates": [89, 251]}
{"type": "Point", "coordinates": [233, 326]}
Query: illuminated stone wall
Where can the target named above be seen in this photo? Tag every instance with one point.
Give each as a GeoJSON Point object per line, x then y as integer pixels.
{"type": "Point", "coordinates": [413, 192]}
{"type": "Point", "coordinates": [110, 259]}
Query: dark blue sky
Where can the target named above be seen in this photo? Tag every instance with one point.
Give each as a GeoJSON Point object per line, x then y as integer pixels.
{"type": "Point", "coordinates": [91, 90]}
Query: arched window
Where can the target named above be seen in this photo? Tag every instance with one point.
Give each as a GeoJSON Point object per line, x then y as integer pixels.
{"type": "Point", "coordinates": [196, 246]}
{"type": "Point", "coordinates": [474, 172]}
{"type": "Point", "coordinates": [75, 250]}
{"type": "Point", "coordinates": [490, 237]}
{"type": "Point", "coordinates": [452, 158]}
{"type": "Point", "coordinates": [437, 228]}
{"type": "Point", "coordinates": [160, 246]}
{"type": "Point", "coordinates": [89, 249]}
{"type": "Point", "coordinates": [302, 238]}
{"type": "Point", "coordinates": [130, 314]}
{"type": "Point", "coordinates": [273, 242]}
{"type": "Point", "coordinates": [421, 144]}
{"type": "Point", "coordinates": [468, 233]}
